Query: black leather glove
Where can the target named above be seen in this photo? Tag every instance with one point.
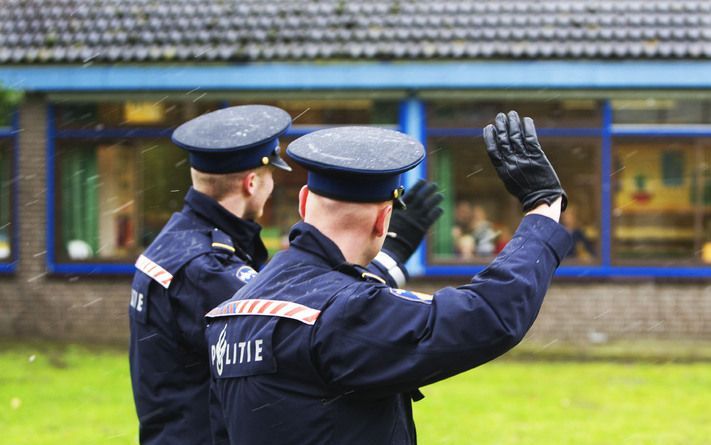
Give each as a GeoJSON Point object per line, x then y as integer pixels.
{"type": "Point", "coordinates": [520, 162]}
{"type": "Point", "coordinates": [409, 226]}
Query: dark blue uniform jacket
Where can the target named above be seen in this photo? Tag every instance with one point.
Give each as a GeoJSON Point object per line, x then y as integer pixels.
{"type": "Point", "coordinates": [202, 256]}
{"type": "Point", "coordinates": [313, 352]}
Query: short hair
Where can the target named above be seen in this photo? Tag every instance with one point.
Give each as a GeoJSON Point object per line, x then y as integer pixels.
{"type": "Point", "coordinates": [217, 185]}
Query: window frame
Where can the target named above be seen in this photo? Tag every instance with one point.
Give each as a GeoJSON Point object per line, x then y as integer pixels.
{"type": "Point", "coordinates": [58, 267]}
{"type": "Point", "coordinates": [11, 133]}
{"type": "Point", "coordinates": [605, 268]}
{"type": "Point", "coordinates": [412, 120]}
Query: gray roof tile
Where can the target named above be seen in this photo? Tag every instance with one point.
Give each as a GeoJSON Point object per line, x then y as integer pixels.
{"type": "Point", "coordinates": [78, 31]}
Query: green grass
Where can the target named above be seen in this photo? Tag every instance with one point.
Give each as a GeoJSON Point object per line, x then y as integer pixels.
{"type": "Point", "coordinates": [65, 396]}
{"type": "Point", "coordinates": [76, 395]}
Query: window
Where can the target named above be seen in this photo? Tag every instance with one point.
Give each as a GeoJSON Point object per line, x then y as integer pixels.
{"type": "Point", "coordinates": [114, 196]}
{"type": "Point", "coordinates": [662, 201]}
{"type": "Point", "coordinates": [8, 141]}
{"type": "Point", "coordinates": [480, 215]}
{"type": "Point", "coordinates": [118, 178]}
{"type": "Point", "coordinates": [661, 111]}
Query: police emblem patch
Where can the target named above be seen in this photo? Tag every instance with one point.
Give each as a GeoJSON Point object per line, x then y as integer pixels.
{"type": "Point", "coordinates": [245, 274]}
{"type": "Point", "coordinates": [412, 296]}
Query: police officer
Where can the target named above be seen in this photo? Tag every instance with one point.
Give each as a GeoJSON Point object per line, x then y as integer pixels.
{"type": "Point", "coordinates": [313, 351]}
{"type": "Point", "coordinates": [208, 251]}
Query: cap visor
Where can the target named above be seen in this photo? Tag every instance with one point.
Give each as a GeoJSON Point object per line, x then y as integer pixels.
{"type": "Point", "coordinates": [276, 161]}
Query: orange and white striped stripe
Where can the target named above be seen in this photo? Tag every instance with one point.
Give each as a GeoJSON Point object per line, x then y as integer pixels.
{"type": "Point", "coordinates": [272, 308]}
{"type": "Point", "coordinates": [153, 270]}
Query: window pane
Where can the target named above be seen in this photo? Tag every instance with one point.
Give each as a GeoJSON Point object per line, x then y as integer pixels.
{"type": "Point", "coordinates": [114, 196]}
{"type": "Point", "coordinates": [107, 115]}
{"type": "Point", "coordinates": [6, 199]}
{"type": "Point", "coordinates": [480, 215]}
{"type": "Point", "coordinates": [549, 114]}
{"type": "Point", "coordinates": [661, 111]}
{"type": "Point", "coordinates": [281, 211]}
{"type": "Point", "coordinates": [662, 201]}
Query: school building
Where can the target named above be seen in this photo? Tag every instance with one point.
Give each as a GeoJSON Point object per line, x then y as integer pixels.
{"type": "Point", "coordinates": [620, 92]}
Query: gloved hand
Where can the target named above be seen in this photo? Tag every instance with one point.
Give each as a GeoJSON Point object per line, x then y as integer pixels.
{"type": "Point", "coordinates": [520, 162]}
{"type": "Point", "coordinates": [409, 226]}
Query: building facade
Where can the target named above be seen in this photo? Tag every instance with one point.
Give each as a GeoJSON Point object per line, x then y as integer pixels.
{"type": "Point", "coordinates": [620, 96]}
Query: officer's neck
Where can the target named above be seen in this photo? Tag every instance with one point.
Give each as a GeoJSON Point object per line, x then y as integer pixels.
{"type": "Point", "coordinates": [355, 245]}
{"type": "Point", "coordinates": [238, 206]}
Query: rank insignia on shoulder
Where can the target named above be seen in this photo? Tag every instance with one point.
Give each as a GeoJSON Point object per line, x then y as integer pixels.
{"type": "Point", "coordinates": [245, 274]}
{"type": "Point", "coordinates": [412, 296]}
{"type": "Point", "coordinates": [367, 276]}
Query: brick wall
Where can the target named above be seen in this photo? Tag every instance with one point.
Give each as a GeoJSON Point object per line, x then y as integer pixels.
{"type": "Point", "coordinates": [33, 303]}
{"type": "Point", "coordinates": [94, 309]}
{"type": "Point", "coordinates": [604, 311]}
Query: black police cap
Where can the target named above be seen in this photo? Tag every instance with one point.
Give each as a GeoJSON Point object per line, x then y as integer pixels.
{"type": "Point", "coordinates": [358, 164]}
{"type": "Point", "coordinates": [234, 139]}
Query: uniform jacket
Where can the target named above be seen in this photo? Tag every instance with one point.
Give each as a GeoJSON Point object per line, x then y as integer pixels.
{"type": "Point", "coordinates": [314, 352]}
{"type": "Point", "coordinates": [203, 255]}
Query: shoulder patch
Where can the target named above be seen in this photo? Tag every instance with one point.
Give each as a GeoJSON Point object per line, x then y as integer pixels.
{"type": "Point", "coordinates": [153, 270]}
{"type": "Point", "coordinates": [273, 308]}
{"type": "Point", "coordinates": [245, 273]}
{"type": "Point", "coordinates": [412, 296]}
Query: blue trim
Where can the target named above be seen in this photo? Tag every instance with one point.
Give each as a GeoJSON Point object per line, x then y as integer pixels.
{"type": "Point", "coordinates": [661, 131]}
{"type": "Point", "coordinates": [584, 271]}
{"type": "Point", "coordinates": [413, 122]}
{"type": "Point", "coordinates": [606, 186]}
{"type": "Point", "coordinates": [93, 269]}
{"type": "Point", "coordinates": [548, 132]}
{"type": "Point", "coordinates": [10, 266]}
{"type": "Point", "coordinates": [15, 243]}
{"type": "Point", "coordinates": [50, 154]}
{"type": "Point", "coordinates": [626, 75]}
{"type": "Point", "coordinates": [114, 133]}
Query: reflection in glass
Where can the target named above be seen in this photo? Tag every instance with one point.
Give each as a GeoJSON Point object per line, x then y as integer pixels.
{"type": "Point", "coordinates": [662, 200]}
{"type": "Point", "coordinates": [114, 196]}
{"type": "Point", "coordinates": [555, 114]}
{"type": "Point", "coordinates": [5, 200]}
{"type": "Point", "coordinates": [661, 111]}
{"type": "Point", "coordinates": [481, 216]}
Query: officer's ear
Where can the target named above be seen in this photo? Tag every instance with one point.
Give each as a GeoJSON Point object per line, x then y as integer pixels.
{"type": "Point", "coordinates": [303, 195]}
{"type": "Point", "coordinates": [249, 183]}
{"type": "Point", "coordinates": [382, 221]}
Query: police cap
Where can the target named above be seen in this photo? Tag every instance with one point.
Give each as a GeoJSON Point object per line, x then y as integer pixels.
{"type": "Point", "coordinates": [234, 139]}
{"type": "Point", "coordinates": [358, 164]}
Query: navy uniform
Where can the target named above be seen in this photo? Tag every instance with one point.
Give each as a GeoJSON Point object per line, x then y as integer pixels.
{"type": "Point", "coordinates": [202, 256]}
{"type": "Point", "coordinates": [312, 351]}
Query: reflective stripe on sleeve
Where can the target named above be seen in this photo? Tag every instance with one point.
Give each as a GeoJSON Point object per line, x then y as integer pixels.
{"type": "Point", "coordinates": [273, 308]}
{"type": "Point", "coordinates": [392, 268]}
{"type": "Point", "coordinates": [153, 270]}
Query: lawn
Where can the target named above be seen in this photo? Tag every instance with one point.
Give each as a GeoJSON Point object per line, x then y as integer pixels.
{"type": "Point", "coordinates": [78, 396]}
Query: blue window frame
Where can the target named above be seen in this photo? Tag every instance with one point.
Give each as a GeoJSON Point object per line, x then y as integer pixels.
{"type": "Point", "coordinates": [9, 141]}
{"type": "Point", "coordinates": [71, 137]}
{"type": "Point", "coordinates": [606, 267]}
{"type": "Point", "coordinates": [412, 119]}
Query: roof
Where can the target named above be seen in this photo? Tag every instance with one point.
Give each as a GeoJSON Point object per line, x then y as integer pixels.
{"type": "Point", "coordinates": [149, 31]}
